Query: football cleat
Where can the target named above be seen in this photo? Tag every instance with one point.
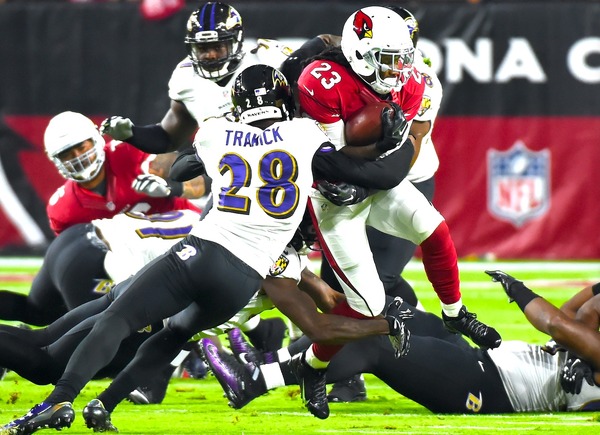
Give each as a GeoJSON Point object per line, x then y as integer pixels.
{"type": "Point", "coordinates": [399, 334]}
{"type": "Point", "coordinates": [97, 417]}
{"type": "Point", "coordinates": [243, 351]}
{"type": "Point", "coordinates": [312, 386]}
{"type": "Point", "coordinates": [239, 381]}
{"type": "Point", "coordinates": [505, 280]}
{"type": "Point", "coordinates": [466, 323]}
{"type": "Point", "coordinates": [349, 390]}
{"type": "Point", "coordinates": [41, 416]}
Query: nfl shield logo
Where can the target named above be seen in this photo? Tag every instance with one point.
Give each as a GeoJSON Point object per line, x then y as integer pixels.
{"type": "Point", "coordinates": [518, 183]}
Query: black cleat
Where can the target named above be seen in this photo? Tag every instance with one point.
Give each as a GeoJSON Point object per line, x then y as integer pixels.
{"type": "Point", "coordinates": [312, 386]}
{"type": "Point", "coordinates": [399, 334]}
{"type": "Point", "coordinates": [41, 416]}
{"type": "Point", "coordinates": [506, 281]}
{"type": "Point", "coordinates": [349, 390]}
{"type": "Point", "coordinates": [98, 418]}
{"type": "Point", "coordinates": [240, 382]}
{"type": "Point", "coordinates": [466, 323]}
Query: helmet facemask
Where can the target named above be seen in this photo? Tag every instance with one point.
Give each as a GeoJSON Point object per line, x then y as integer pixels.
{"type": "Point", "coordinates": [382, 61]}
{"type": "Point", "coordinates": [66, 131]}
{"type": "Point", "coordinates": [218, 68]}
{"type": "Point", "coordinates": [84, 167]}
{"type": "Point", "coordinates": [215, 26]}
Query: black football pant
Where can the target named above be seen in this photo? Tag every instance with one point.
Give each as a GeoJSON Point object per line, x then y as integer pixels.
{"type": "Point", "coordinates": [198, 283]}
{"type": "Point", "coordinates": [71, 271]}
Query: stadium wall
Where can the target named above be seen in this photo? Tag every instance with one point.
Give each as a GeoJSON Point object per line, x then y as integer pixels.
{"type": "Point", "coordinates": [518, 133]}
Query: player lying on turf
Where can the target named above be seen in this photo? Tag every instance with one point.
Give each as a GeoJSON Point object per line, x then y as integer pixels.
{"type": "Point", "coordinates": [42, 355]}
{"type": "Point", "coordinates": [452, 377]}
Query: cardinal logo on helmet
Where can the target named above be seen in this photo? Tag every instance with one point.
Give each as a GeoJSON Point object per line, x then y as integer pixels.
{"type": "Point", "coordinates": [363, 25]}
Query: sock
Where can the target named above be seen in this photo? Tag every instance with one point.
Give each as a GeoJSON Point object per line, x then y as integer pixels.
{"type": "Point", "coordinates": [440, 262]}
{"type": "Point", "coordinates": [115, 392]}
{"type": "Point", "coordinates": [67, 388]}
{"type": "Point", "coordinates": [452, 310]}
{"type": "Point", "coordinates": [272, 375]}
{"type": "Point", "coordinates": [283, 355]}
{"type": "Point", "coordinates": [314, 361]}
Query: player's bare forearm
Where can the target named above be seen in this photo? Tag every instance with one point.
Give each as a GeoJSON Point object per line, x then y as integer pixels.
{"type": "Point", "coordinates": [571, 306]}
{"type": "Point", "coordinates": [580, 338]}
{"type": "Point", "coordinates": [321, 293]}
{"type": "Point", "coordinates": [195, 188]}
{"type": "Point", "coordinates": [179, 124]}
{"type": "Point", "coordinates": [319, 327]}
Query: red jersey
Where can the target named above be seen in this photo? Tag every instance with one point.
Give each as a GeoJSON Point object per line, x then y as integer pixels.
{"type": "Point", "coordinates": [328, 92]}
{"type": "Point", "coordinates": [72, 204]}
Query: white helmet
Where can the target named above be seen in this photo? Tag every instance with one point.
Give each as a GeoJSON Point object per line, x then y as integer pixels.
{"type": "Point", "coordinates": [376, 39]}
{"type": "Point", "coordinates": [69, 129]}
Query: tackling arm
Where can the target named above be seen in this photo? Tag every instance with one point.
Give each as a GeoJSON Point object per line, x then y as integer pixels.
{"type": "Point", "coordinates": [319, 327]}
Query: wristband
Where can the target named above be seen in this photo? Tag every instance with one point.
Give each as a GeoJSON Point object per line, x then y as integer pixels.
{"type": "Point", "coordinates": [596, 288]}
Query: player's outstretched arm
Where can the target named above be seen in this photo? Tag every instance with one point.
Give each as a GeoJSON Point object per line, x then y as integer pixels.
{"type": "Point", "coordinates": [581, 338]}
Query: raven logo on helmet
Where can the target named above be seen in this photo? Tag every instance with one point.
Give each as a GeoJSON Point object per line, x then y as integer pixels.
{"type": "Point", "coordinates": [363, 25]}
{"type": "Point", "coordinates": [233, 20]}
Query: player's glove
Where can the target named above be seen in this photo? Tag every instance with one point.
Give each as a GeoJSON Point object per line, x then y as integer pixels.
{"type": "Point", "coordinates": [117, 127]}
{"type": "Point", "coordinates": [156, 187]}
{"type": "Point", "coordinates": [506, 281]}
{"type": "Point", "coordinates": [399, 334]}
{"type": "Point", "coordinates": [342, 193]}
{"type": "Point", "coordinates": [573, 373]}
{"type": "Point", "coordinates": [394, 126]}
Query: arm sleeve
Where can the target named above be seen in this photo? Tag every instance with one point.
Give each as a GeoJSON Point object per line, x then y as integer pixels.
{"type": "Point", "coordinates": [152, 139]}
{"type": "Point", "coordinates": [186, 166]}
{"type": "Point", "coordinates": [380, 174]}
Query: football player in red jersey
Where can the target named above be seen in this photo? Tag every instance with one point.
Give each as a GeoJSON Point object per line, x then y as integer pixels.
{"type": "Point", "coordinates": [375, 63]}
{"type": "Point", "coordinates": [390, 254]}
{"type": "Point", "coordinates": [102, 179]}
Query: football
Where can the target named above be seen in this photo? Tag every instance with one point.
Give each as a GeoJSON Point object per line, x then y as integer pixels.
{"type": "Point", "coordinates": [364, 127]}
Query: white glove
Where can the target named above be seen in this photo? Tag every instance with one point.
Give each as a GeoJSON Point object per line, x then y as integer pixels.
{"type": "Point", "coordinates": [117, 127]}
{"type": "Point", "coordinates": [151, 185]}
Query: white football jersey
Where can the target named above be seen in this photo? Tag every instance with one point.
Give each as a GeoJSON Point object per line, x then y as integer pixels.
{"type": "Point", "coordinates": [531, 378]}
{"type": "Point", "coordinates": [204, 98]}
{"type": "Point", "coordinates": [135, 239]}
{"type": "Point", "coordinates": [261, 180]}
{"type": "Point", "coordinates": [428, 162]}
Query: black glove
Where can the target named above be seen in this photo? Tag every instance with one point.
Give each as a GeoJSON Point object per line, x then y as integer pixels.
{"type": "Point", "coordinates": [506, 281]}
{"type": "Point", "coordinates": [573, 373]}
{"type": "Point", "coordinates": [393, 126]}
{"type": "Point", "coordinates": [342, 193]}
{"type": "Point", "coordinates": [399, 334]}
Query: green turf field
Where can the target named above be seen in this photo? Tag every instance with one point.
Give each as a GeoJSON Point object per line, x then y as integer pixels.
{"type": "Point", "coordinates": [198, 407]}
